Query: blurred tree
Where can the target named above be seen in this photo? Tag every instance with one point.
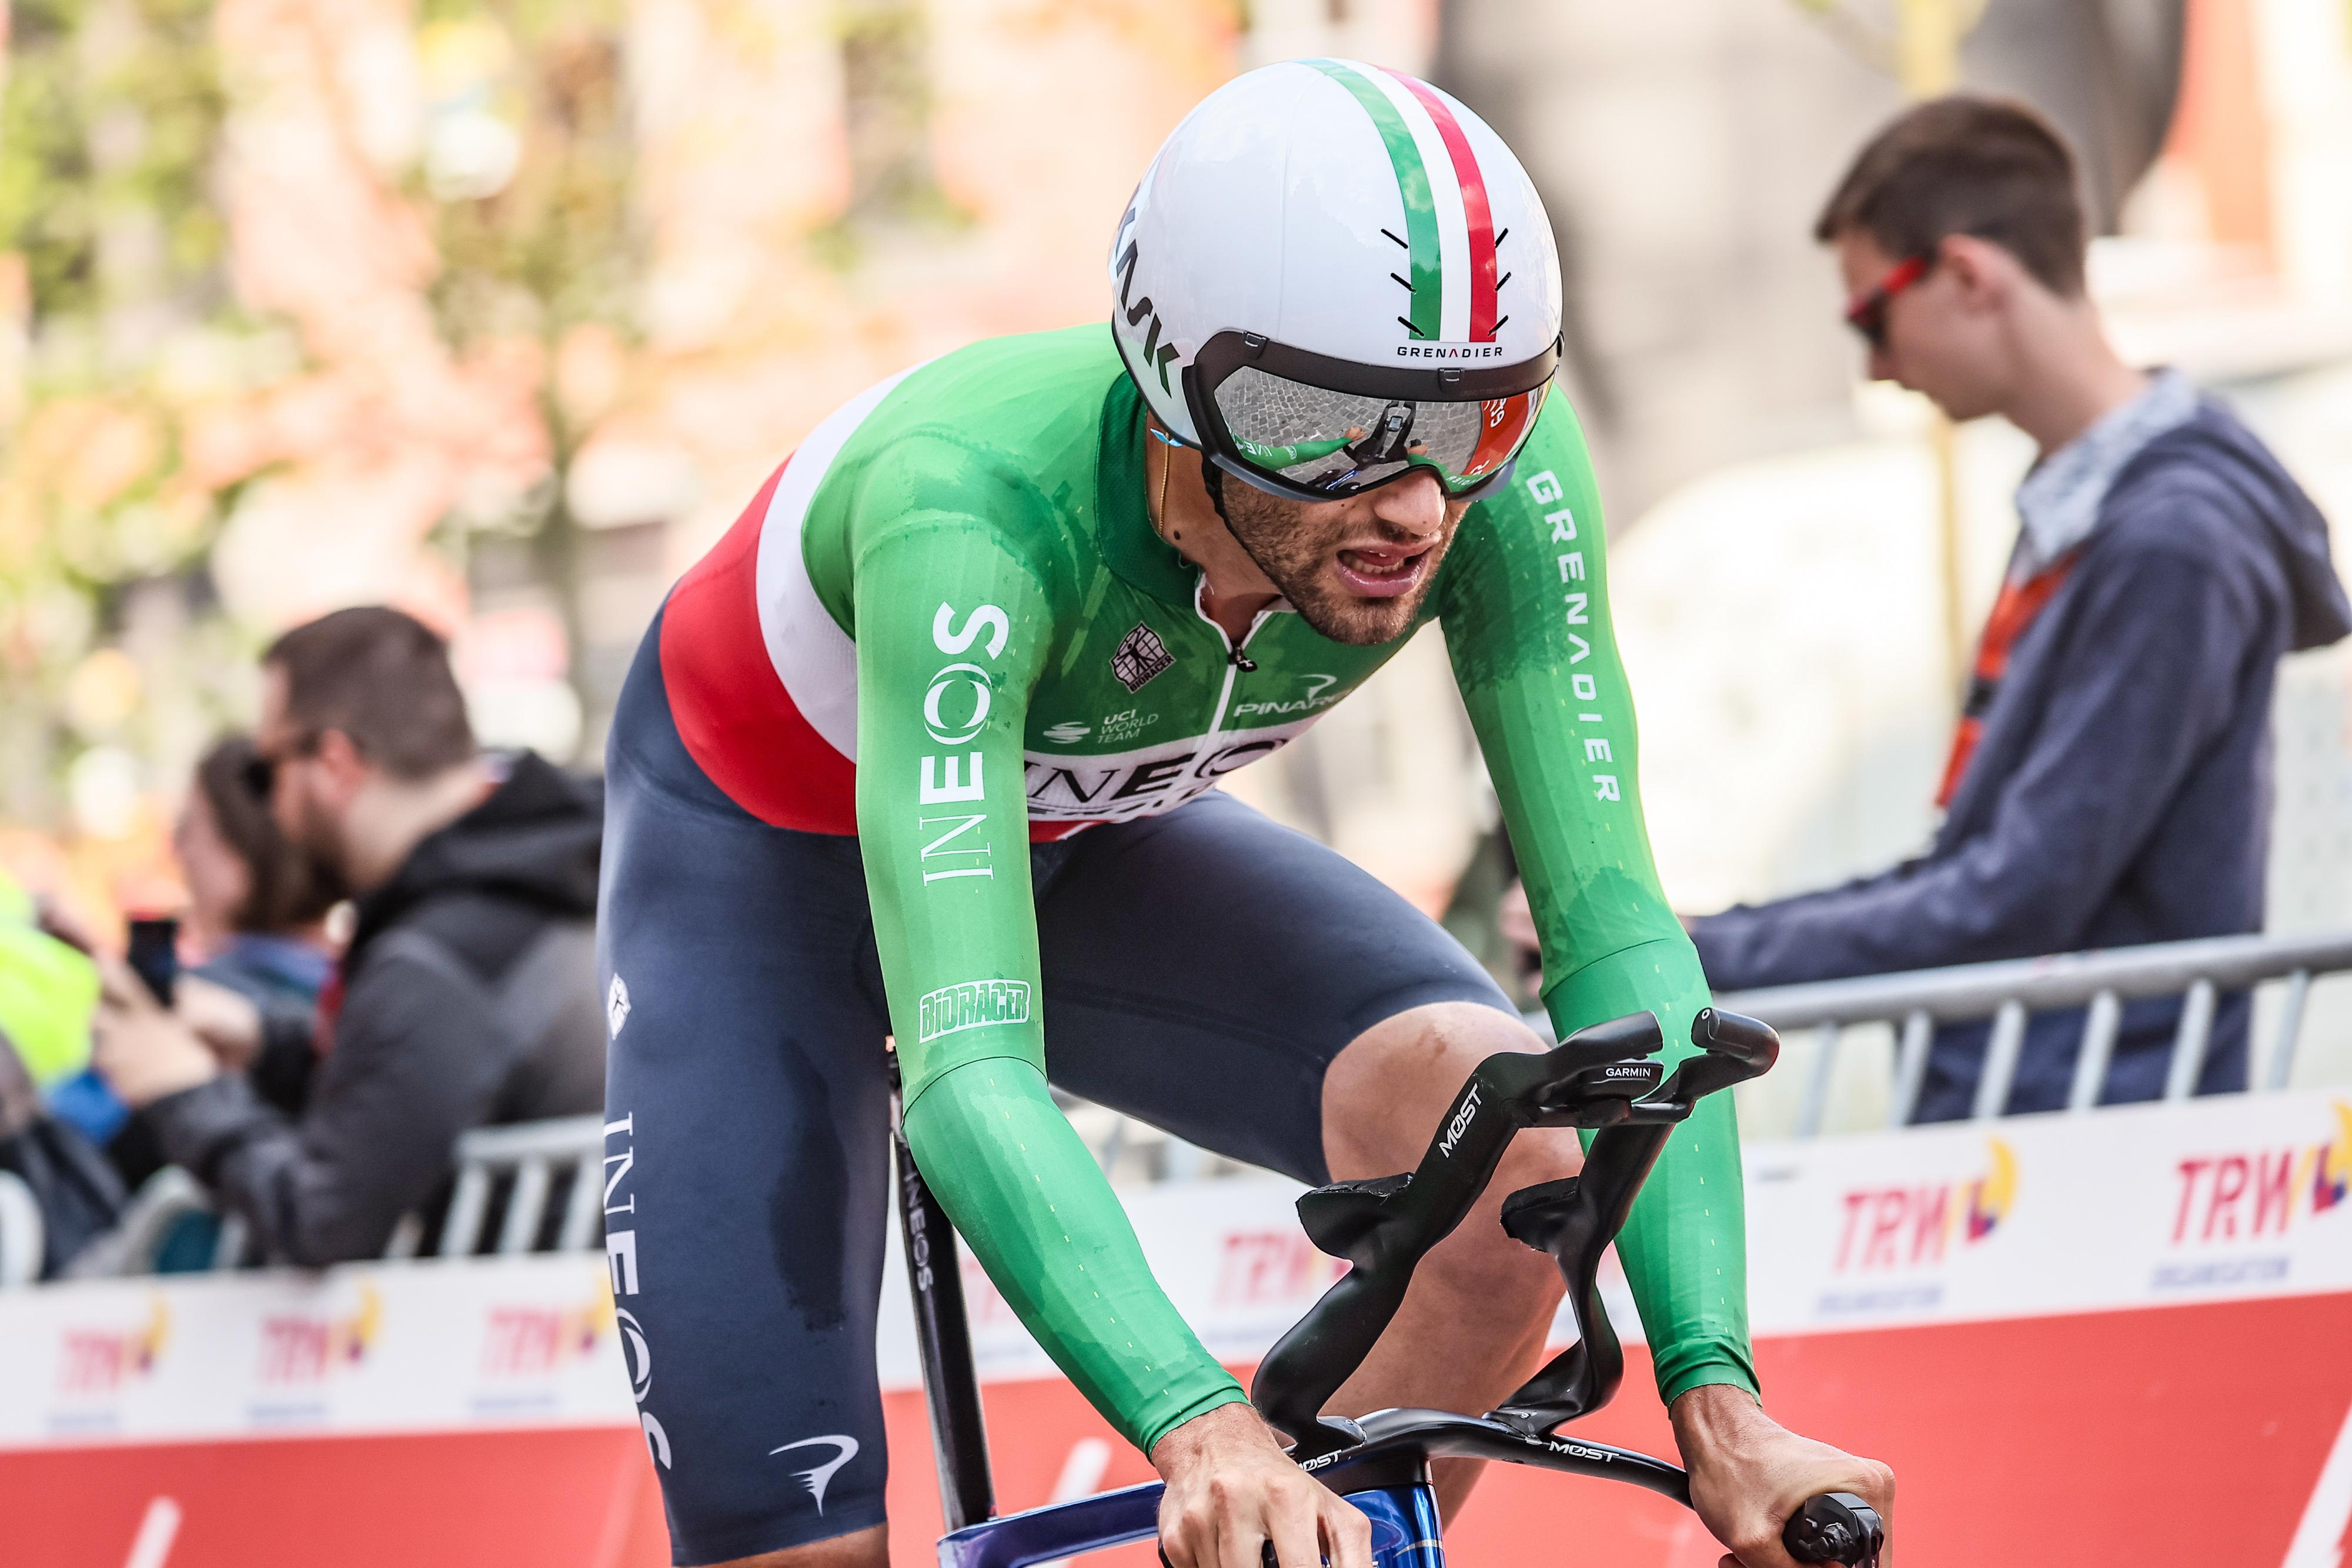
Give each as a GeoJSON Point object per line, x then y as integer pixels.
{"type": "Point", "coordinates": [528, 159]}
{"type": "Point", "coordinates": [115, 321]}
{"type": "Point", "coordinates": [886, 91]}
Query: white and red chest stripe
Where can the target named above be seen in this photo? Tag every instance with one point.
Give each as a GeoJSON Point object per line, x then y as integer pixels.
{"type": "Point", "coordinates": [763, 686]}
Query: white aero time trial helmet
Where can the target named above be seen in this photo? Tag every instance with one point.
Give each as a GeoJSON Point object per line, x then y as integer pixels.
{"type": "Point", "coordinates": [1334, 274]}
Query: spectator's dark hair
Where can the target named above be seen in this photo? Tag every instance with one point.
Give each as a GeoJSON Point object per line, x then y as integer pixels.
{"type": "Point", "coordinates": [384, 679]}
{"type": "Point", "coordinates": [1981, 166]}
{"type": "Point", "coordinates": [287, 891]}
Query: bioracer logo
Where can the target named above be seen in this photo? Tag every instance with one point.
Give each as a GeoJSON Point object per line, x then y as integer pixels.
{"type": "Point", "coordinates": [972, 1005]}
{"type": "Point", "coordinates": [1460, 1123]}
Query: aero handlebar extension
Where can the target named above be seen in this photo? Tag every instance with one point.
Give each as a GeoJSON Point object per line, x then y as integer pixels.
{"type": "Point", "coordinates": [1602, 1079]}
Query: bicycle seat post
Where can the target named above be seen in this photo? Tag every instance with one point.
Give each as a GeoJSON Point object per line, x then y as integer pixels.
{"type": "Point", "coordinates": [942, 1339]}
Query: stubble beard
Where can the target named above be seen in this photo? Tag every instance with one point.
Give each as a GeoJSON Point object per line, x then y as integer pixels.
{"type": "Point", "coordinates": [1275, 533]}
{"type": "Point", "coordinates": [320, 844]}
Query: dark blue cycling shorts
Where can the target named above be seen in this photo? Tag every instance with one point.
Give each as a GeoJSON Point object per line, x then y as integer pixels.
{"type": "Point", "coordinates": [1201, 969]}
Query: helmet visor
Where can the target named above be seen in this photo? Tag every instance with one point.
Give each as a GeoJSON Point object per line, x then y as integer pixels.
{"type": "Point", "coordinates": [1336, 442]}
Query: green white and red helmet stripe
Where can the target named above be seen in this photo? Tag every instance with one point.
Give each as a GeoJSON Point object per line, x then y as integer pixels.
{"type": "Point", "coordinates": [1345, 212]}
{"type": "Point", "coordinates": [1449, 225]}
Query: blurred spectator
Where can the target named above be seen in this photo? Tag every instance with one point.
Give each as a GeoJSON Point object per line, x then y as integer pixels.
{"type": "Point", "coordinates": [1487, 913]}
{"type": "Point", "coordinates": [2109, 783]}
{"type": "Point", "coordinates": [76, 1192]}
{"type": "Point", "coordinates": [467, 995]}
{"type": "Point", "coordinates": [46, 990]}
{"type": "Point", "coordinates": [256, 907]}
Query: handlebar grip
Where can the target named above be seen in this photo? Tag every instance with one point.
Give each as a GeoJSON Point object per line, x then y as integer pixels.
{"type": "Point", "coordinates": [1836, 1527]}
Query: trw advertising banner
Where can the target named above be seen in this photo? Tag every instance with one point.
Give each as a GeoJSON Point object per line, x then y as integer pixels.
{"type": "Point", "coordinates": [2124, 1337]}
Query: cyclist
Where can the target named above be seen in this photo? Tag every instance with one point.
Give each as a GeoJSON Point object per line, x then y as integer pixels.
{"type": "Point", "coordinates": [927, 746]}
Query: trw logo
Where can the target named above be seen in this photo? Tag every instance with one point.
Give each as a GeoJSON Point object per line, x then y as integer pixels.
{"type": "Point", "coordinates": [1263, 1268]}
{"type": "Point", "coordinates": [96, 1363]}
{"type": "Point", "coordinates": [1920, 1224]}
{"type": "Point", "coordinates": [301, 1348]}
{"type": "Point", "coordinates": [532, 1340]}
{"type": "Point", "coordinates": [2243, 1194]}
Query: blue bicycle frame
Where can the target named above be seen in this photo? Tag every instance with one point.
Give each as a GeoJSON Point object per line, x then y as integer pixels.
{"type": "Point", "coordinates": [1405, 1533]}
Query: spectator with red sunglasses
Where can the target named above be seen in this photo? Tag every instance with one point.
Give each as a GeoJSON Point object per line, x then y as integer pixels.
{"type": "Point", "coordinates": [2109, 781]}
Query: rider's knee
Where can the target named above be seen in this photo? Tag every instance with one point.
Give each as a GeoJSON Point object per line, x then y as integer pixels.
{"type": "Point", "coordinates": [858, 1548]}
{"type": "Point", "coordinates": [1439, 1042]}
{"type": "Point", "coordinates": [1384, 1094]}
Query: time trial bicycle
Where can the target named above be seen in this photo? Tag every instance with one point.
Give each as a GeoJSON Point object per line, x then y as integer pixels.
{"type": "Point", "coordinates": [1603, 1078]}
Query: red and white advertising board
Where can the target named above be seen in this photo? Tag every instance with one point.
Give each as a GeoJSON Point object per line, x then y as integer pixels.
{"type": "Point", "coordinates": [2123, 1338]}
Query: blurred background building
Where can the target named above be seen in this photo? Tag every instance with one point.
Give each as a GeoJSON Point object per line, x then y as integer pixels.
{"type": "Point", "coordinates": [500, 311]}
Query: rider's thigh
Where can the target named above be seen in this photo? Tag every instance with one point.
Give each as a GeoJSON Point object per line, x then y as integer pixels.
{"type": "Point", "coordinates": [746, 1156]}
{"type": "Point", "coordinates": [1205, 969]}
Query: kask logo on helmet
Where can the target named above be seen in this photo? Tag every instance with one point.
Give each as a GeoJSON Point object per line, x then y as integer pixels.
{"type": "Point", "coordinates": [1313, 269]}
{"type": "Point", "coordinates": [1155, 353]}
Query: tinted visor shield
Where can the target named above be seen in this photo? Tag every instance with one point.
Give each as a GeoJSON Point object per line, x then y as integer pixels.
{"type": "Point", "coordinates": [1338, 443]}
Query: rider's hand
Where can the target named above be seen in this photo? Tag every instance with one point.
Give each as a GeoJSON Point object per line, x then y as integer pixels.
{"type": "Point", "coordinates": [141, 1048]}
{"type": "Point", "coordinates": [1231, 1489]}
{"type": "Point", "coordinates": [1748, 1474]}
{"type": "Point", "coordinates": [228, 1024]}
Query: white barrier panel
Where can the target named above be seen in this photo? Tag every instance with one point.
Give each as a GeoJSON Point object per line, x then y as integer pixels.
{"type": "Point", "coordinates": [419, 1347]}
{"type": "Point", "coordinates": [2145, 1206]}
{"type": "Point", "coordinates": [2053, 1303]}
{"type": "Point", "coordinates": [2158, 1205]}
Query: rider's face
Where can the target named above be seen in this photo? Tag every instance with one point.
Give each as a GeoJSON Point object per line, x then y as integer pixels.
{"type": "Point", "coordinates": [1357, 570]}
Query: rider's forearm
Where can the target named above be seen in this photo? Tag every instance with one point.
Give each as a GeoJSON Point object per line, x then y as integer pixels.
{"type": "Point", "coordinates": [942, 827]}
{"type": "Point", "coordinates": [1684, 1246]}
{"type": "Point", "coordinates": [1528, 627]}
{"type": "Point", "coordinates": [1027, 1194]}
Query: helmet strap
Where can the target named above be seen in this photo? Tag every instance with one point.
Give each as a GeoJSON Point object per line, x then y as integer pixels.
{"type": "Point", "coordinates": [1212, 479]}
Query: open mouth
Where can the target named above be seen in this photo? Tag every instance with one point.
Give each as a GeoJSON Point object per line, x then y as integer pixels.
{"type": "Point", "coordinates": [1381, 571]}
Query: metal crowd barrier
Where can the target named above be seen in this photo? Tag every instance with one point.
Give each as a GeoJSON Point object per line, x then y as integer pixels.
{"type": "Point", "coordinates": [531, 1163]}
{"type": "Point", "coordinates": [2010, 991]}
{"type": "Point", "coordinates": [1915, 1003]}
{"type": "Point", "coordinates": [533, 1155]}
{"type": "Point", "coordinates": [21, 1234]}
